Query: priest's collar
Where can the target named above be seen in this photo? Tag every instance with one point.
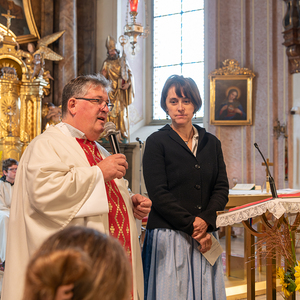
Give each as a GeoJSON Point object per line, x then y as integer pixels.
{"type": "Point", "coordinates": [74, 132]}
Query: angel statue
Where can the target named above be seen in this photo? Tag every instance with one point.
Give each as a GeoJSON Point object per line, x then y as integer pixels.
{"type": "Point", "coordinates": [35, 57]}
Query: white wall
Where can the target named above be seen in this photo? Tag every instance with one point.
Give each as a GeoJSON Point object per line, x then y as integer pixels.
{"type": "Point", "coordinates": [296, 131]}
{"type": "Point", "coordinates": [111, 15]}
{"type": "Point", "coordinates": [107, 16]}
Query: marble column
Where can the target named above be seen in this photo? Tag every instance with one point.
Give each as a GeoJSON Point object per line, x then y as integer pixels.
{"type": "Point", "coordinates": [86, 32]}
{"type": "Point", "coordinates": [67, 68]}
{"type": "Point", "coordinates": [47, 28]}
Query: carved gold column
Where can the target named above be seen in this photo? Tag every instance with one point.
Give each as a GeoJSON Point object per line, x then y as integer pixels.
{"type": "Point", "coordinates": [67, 46]}
{"type": "Point", "coordinates": [31, 94]}
{"type": "Point", "coordinates": [23, 83]}
{"type": "Point", "coordinates": [12, 70]}
{"type": "Point", "coordinates": [10, 144]}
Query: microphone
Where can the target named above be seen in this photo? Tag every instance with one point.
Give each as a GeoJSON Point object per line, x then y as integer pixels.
{"type": "Point", "coordinates": [271, 180]}
{"type": "Point", "coordinates": [138, 139]}
{"type": "Point", "coordinates": [111, 133]}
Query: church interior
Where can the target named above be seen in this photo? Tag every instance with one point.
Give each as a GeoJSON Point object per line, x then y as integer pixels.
{"type": "Point", "coordinates": [253, 41]}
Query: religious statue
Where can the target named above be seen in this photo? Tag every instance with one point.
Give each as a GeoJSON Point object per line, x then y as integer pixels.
{"type": "Point", "coordinates": [35, 58]}
{"type": "Point", "coordinates": [8, 16]}
{"type": "Point", "coordinates": [23, 84]}
{"type": "Point", "coordinates": [116, 69]}
{"type": "Point", "coordinates": [51, 115]}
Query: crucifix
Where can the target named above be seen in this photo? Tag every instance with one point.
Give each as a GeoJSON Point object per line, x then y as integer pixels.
{"type": "Point", "coordinates": [8, 16]}
{"type": "Point", "coordinates": [269, 164]}
{"type": "Point", "coordinates": [267, 174]}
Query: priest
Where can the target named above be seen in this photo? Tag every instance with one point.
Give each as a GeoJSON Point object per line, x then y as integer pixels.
{"type": "Point", "coordinates": [65, 178]}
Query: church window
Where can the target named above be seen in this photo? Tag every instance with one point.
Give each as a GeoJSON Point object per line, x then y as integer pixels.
{"type": "Point", "coordinates": [178, 46]}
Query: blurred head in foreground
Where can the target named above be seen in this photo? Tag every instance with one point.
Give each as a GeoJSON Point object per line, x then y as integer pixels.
{"type": "Point", "coordinates": [78, 263]}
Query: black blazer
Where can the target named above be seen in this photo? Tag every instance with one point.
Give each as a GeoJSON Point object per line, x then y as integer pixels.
{"type": "Point", "coordinates": [182, 186]}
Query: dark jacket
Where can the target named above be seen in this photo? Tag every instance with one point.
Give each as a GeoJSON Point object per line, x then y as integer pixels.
{"type": "Point", "coordinates": [182, 186]}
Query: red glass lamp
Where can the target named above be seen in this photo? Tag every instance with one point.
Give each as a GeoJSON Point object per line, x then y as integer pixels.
{"type": "Point", "coordinates": [133, 29]}
{"type": "Point", "coordinates": [134, 5]}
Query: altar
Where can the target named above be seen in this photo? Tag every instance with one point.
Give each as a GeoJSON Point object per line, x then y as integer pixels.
{"type": "Point", "coordinates": [235, 264]}
{"type": "Point", "coordinates": [245, 214]}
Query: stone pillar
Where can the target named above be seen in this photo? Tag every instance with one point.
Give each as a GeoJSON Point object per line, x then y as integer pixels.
{"type": "Point", "coordinates": [67, 68]}
{"type": "Point", "coordinates": [86, 32]}
{"type": "Point", "coordinates": [47, 28]}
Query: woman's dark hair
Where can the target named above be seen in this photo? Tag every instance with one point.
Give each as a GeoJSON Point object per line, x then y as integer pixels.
{"type": "Point", "coordinates": [184, 86]}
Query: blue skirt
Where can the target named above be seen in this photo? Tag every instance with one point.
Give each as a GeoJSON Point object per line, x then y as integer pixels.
{"type": "Point", "coordinates": [175, 269]}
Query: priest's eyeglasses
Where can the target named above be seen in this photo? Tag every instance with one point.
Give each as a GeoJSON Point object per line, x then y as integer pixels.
{"type": "Point", "coordinates": [12, 169]}
{"type": "Point", "coordinates": [103, 104]}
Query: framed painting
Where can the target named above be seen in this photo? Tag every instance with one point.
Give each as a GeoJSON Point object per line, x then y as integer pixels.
{"type": "Point", "coordinates": [22, 24]}
{"type": "Point", "coordinates": [231, 95]}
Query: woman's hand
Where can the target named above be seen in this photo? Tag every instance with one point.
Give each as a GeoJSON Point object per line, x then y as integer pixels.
{"type": "Point", "coordinates": [141, 206]}
{"type": "Point", "coordinates": [205, 243]}
{"type": "Point", "coordinates": [200, 227]}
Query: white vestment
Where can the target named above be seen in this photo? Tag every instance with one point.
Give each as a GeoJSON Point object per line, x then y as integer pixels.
{"type": "Point", "coordinates": [53, 181]}
{"type": "Point", "coordinates": [6, 190]}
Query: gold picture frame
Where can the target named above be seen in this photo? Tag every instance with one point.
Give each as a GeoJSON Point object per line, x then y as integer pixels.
{"type": "Point", "coordinates": [231, 95]}
{"type": "Point", "coordinates": [22, 25]}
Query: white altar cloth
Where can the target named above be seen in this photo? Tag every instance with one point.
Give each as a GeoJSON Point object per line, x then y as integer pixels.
{"type": "Point", "coordinates": [277, 207]}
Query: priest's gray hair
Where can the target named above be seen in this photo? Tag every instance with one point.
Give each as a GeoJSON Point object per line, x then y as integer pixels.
{"type": "Point", "coordinates": [79, 87]}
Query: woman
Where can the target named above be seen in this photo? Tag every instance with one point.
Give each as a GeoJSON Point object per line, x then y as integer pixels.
{"type": "Point", "coordinates": [79, 263]}
{"type": "Point", "coordinates": [186, 180]}
{"type": "Point", "coordinates": [231, 108]}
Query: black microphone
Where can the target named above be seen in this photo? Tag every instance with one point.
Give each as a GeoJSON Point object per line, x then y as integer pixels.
{"type": "Point", "coordinates": [111, 133]}
{"type": "Point", "coordinates": [138, 139]}
{"type": "Point", "coordinates": [271, 180]}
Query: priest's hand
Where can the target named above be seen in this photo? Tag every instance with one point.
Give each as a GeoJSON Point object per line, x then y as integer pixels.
{"type": "Point", "coordinates": [141, 206]}
{"type": "Point", "coordinates": [205, 243]}
{"type": "Point", "coordinates": [113, 166]}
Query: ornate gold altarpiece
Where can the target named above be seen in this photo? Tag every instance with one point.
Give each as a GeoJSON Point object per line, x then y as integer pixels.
{"type": "Point", "coordinates": [23, 84]}
{"type": "Point", "coordinates": [21, 96]}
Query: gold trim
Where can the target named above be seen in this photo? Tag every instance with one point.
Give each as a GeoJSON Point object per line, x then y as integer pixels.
{"type": "Point", "coordinates": [34, 34]}
{"type": "Point", "coordinates": [3, 30]}
{"type": "Point", "coordinates": [30, 19]}
{"type": "Point", "coordinates": [10, 60]}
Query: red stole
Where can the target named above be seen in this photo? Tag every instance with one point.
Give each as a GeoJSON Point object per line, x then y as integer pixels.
{"type": "Point", "coordinates": [118, 217]}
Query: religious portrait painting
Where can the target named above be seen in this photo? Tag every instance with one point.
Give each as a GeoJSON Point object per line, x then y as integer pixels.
{"type": "Point", "coordinates": [21, 22]}
{"type": "Point", "coordinates": [231, 100]}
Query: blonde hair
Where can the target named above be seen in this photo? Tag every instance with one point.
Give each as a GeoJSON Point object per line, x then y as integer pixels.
{"type": "Point", "coordinates": [95, 263]}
